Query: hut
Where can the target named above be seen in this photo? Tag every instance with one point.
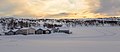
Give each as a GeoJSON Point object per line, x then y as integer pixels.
{"type": "Point", "coordinates": [25, 31]}
{"type": "Point", "coordinates": [9, 32]}
{"type": "Point", "coordinates": [39, 31]}
{"type": "Point", "coordinates": [19, 31]}
{"type": "Point", "coordinates": [31, 31]}
{"type": "Point", "coordinates": [64, 30]}
{"type": "Point", "coordinates": [55, 30]}
{"type": "Point", "coordinates": [42, 30]}
{"type": "Point", "coordinates": [47, 31]}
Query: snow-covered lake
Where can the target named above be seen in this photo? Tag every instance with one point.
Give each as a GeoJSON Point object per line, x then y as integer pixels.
{"type": "Point", "coordinates": [83, 39]}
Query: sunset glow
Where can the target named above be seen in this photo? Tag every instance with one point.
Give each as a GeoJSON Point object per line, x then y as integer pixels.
{"type": "Point", "coordinates": [54, 8]}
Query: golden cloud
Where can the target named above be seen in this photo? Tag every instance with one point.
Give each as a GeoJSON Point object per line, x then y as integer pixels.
{"type": "Point", "coordinates": [49, 8]}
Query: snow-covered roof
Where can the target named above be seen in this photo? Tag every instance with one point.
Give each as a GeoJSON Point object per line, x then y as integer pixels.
{"type": "Point", "coordinates": [25, 28]}
{"type": "Point", "coordinates": [7, 30]}
{"type": "Point", "coordinates": [11, 30]}
{"type": "Point", "coordinates": [43, 28]}
{"type": "Point", "coordinates": [15, 30]}
{"type": "Point", "coordinates": [63, 28]}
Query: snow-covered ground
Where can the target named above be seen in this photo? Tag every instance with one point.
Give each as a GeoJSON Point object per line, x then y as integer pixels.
{"type": "Point", "coordinates": [83, 39]}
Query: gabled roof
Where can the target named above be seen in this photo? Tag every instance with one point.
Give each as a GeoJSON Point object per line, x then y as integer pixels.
{"type": "Point", "coordinates": [63, 28]}
{"type": "Point", "coordinates": [43, 28]}
{"type": "Point", "coordinates": [27, 28]}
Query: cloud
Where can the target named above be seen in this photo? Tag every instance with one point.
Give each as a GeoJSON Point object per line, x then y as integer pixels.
{"type": "Point", "coordinates": [111, 7]}
{"type": "Point", "coordinates": [83, 8]}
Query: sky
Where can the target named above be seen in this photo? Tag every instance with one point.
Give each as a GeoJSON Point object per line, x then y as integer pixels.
{"type": "Point", "coordinates": [60, 8]}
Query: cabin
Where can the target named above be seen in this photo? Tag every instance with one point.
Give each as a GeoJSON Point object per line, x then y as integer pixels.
{"type": "Point", "coordinates": [64, 30]}
{"type": "Point", "coordinates": [42, 30]}
{"type": "Point", "coordinates": [47, 31]}
{"type": "Point", "coordinates": [31, 31]}
{"type": "Point", "coordinates": [28, 31]}
{"type": "Point", "coordinates": [19, 32]}
{"type": "Point", "coordinates": [25, 31]}
{"type": "Point", "coordinates": [9, 32]}
{"type": "Point", "coordinates": [39, 31]}
{"type": "Point", "coordinates": [55, 30]}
